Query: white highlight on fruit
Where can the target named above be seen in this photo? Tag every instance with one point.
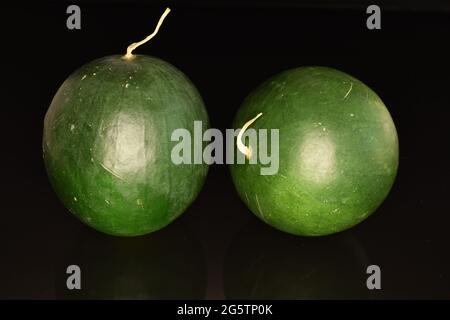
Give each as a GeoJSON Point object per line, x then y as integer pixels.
{"type": "Point", "coordinates": [317, 158]}
{"type": "Point", "coordinates": [126, 153]}
{"type": "Point", "coordinates": [131, 47]}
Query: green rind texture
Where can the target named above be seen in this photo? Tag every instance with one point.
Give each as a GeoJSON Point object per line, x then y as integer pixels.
{"type": "Point", "coordinates": [107, 144]}
{"type": "Point", "coordinates": [338, 152]}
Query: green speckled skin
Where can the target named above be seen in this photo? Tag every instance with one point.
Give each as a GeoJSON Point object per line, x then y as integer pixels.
{"type": "Point", "coordinates": [107, 144]}
{"type": "Point", "coordinates": [338, 152]}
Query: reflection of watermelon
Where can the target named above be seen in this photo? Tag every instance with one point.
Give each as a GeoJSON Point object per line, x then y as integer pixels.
{"type": "Point", "coordinates": [264, 264]}
{"type": "Point", "coordinates": [107, 144]}
{"type": "Point", "coordinates": [168, 264]}
{"type": "Point", "coordinates": [338, 152]}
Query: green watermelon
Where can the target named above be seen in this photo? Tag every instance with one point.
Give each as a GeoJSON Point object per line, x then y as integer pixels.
{"type": "Point", "coordinates": [107, 144]}
{"type": "Point", "coordinates": [338, 152]}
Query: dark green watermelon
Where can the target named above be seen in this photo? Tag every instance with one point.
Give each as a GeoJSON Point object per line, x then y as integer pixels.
{"type": "Point", "coordinates": [338, 152]}
{"type": "Point", "coordinates": [107, 144]}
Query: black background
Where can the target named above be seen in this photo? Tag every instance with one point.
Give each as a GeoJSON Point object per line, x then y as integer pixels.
{"type": "Point", "coordinates": [217, 248]}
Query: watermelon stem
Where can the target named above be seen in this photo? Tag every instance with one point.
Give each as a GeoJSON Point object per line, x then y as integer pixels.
{"type": "Point", "coordinates": [247, 151]}
{"type": "Point", "coordinates": [131, 47]}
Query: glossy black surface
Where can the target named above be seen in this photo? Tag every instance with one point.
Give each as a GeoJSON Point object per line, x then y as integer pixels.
{"type": "Point", "coordinates": [227, 51]}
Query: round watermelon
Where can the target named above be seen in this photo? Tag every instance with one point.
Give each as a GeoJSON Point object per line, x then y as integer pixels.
{"type": "Point", "coordinates": [338, 151]}
{"type": "Point", "coordinates": [107, 144]}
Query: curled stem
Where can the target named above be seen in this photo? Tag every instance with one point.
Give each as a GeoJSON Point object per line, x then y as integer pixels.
{"type": "Point", "coordinates": [131, 47]}
{"type": "Point", "coordinates": [247, 151]}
